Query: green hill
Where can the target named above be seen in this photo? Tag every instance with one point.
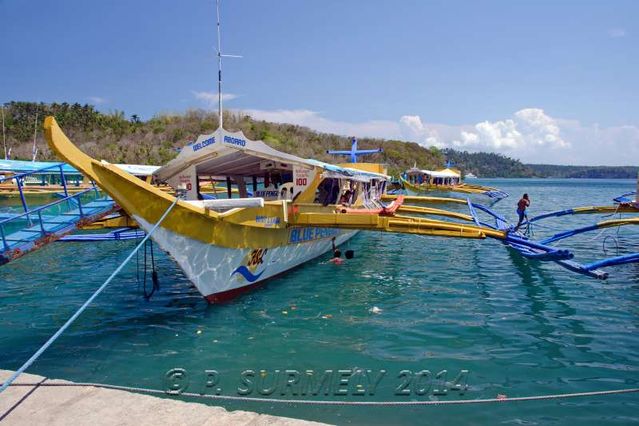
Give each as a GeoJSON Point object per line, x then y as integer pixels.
{"type": "Point", "coordinates": [592, 172]}
{"type": "Point", "coordinates": [120, 139]}
{"type": "Point", "coordinates": [486, 164]}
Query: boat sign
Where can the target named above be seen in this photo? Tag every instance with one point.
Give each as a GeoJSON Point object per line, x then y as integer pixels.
{"type": "Point", "coordinates": [199, 145]}
{"type": "Point", "coordinates": [301, 235]}
{"type": "Point", "coordinates": [234, 141]}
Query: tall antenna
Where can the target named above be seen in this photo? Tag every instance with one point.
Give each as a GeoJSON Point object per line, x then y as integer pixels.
{"type": "Point", "coordinates": [219, 65]}
{"type": "Point", "coordinates": [4, 136]}
{"type": "Point", "coordinates": [34, 150]}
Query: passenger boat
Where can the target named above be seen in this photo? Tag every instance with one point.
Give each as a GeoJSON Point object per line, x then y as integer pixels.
{"type": "Point", "coordinates": [226, 246]}
{"type": "Point", "coordinates": [417, 181]}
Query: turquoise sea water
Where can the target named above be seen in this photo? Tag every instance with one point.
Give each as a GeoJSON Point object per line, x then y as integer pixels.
{"type": "Point", "coordinates": [518, 327]}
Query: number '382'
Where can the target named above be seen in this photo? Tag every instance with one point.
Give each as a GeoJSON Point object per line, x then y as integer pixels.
{"type": "Point", "coordinates": [256, 257]}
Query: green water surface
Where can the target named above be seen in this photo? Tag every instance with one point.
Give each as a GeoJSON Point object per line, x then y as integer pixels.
{"type": "Point", "coordinates": [518, 327]}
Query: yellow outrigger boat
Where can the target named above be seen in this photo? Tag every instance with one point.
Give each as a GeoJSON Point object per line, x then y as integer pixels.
{"type": "Point", "coordinates": [300, 208]}
{"type": "Point", "coordinates": [417, 182]}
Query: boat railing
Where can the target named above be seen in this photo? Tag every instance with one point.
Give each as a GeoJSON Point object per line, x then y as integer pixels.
{"type": "Point", "coordinates": [20, 179]}
{"type": "Point", "coordinates": [31, 172]}
{"type": "Point", "coordinates": [37, 212]}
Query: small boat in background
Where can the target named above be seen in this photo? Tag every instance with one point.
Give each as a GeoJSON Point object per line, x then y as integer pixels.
{"type": "Point", "coordinates": [417, 182]}
{"type": "Point", "coordinates": [39, 178]}
{"type": "Point", "coordinates": [50, 178]}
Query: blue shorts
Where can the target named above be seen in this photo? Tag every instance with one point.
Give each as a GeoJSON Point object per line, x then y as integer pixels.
{"type": "Point", "coordinates": [522, 214]}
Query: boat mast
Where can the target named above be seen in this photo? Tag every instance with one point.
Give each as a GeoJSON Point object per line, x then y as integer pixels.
{"type": "Point", "coordinates": [4, 136]}
{"type": "Point", "coordinates": [34, 150]}
{"type": "Point", "coordinates": [219, 64]}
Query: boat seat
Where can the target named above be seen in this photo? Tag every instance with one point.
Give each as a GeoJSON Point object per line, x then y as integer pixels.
{"type": "Point", "coordinates": [286, 191]}
{"type": "Point", "coordinates": [227, 204]}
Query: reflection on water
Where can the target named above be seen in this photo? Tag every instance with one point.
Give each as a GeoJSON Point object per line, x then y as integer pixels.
{"type": "Point", "coordinates": [520, 327]}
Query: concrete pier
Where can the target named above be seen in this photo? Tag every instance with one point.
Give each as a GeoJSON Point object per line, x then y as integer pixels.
{"type": "Point", "coordinates": [59, 405]}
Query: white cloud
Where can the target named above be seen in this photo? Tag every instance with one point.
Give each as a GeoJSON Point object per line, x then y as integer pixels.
{"type": "Point", "coordinates": [314, 120]}
{"type": "Point", "coordinates": [529, 128]}
{"type": "Point", "coordinates": [616, 32]}
{"type": "Point", "coordinates": [529, 134]}
{"type": "Point", "coordinates": [596, 145]}
{"type": "Point", "coordinates": [97, 100]}
{"type": "Point", "coordinates": [210, 99]}
{"type": "Point", "coordinates": [411, 125]}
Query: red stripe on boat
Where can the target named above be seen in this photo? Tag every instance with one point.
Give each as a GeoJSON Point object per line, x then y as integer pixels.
{"type": "Point", "coordinates": [225, 296]}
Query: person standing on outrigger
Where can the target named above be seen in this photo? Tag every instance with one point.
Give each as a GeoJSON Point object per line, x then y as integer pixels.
{"type": "Point", "coordinates": [521, 209]}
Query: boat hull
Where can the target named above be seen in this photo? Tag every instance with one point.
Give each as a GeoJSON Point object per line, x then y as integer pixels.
{"type": "Point", "coordinates": [222, 273]}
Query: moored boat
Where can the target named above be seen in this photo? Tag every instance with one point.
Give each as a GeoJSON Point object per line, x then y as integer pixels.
{"type": "Point", "coordinates": [417, 182]}
{"type": "Point", "coordinates": [226, 246]}
{"type": "Point", "coordinates": [49, 177]}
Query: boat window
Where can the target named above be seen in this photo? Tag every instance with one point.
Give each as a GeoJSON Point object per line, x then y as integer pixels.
{"type": "Point", "coordinates": [328, 191]}
{"type": "Point", "coordinates": [276, 185]}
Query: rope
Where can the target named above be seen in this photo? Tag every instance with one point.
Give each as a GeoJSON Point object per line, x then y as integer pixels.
{"type": "Point", "coordinates": [615, 212]}
{"type": "Point", "coordinates": [66, 325]}
{"type": "Point", "coordinates": [154, 274]}
{"type": "Point", "coordinates": [614, 239]}
{"type": "Point", "coordinates": [343, 403]}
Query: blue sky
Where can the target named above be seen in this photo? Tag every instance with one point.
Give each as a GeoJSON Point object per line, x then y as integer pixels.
{"type": "Point", "coordinates": [544, 81]}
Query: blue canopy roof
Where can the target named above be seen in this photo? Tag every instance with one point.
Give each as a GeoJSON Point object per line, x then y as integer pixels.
{"type": "Point", "coordinates": [51, 167]}
{"type": "Point", "coordinates": [19, 166]}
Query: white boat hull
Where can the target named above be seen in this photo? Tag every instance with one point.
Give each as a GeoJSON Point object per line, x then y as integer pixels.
{"type": "Point", "coordinates": [221, 273]}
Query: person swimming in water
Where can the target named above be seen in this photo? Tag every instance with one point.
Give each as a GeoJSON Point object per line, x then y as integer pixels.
{"type": "Point", "coordinates": [337, 257]}
{"type": "Point", "coordinates": [337, 254]}
{"type": "Point", "coordinates": [521, 210]}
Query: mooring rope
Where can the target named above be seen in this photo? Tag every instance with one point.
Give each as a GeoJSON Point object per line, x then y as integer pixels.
{"type": "Point", "coordinates": [66, 325]}
{"type": "Point", "coordinates": [500, 400]}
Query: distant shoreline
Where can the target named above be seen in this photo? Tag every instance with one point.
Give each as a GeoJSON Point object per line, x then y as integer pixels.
{"type": "Point", "coordinates": [116, 138]}
{"type": "Point", "coordinates": [585, 172]}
